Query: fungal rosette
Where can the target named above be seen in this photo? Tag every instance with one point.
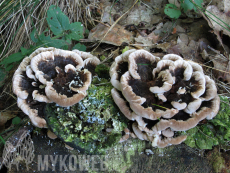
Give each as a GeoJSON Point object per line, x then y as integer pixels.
{"type": "Point", "coordinates": [52, 75]}
{"type": "Point", "coordinates": [162, 96]}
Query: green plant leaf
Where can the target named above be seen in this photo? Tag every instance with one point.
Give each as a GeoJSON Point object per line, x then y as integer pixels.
{"type": "Point", "coordinates": [32, 35]}
{"type": "Point", "coordinates": [16, 120]}
{"type": "Point", "coordinates": [7, 62]}
{"type": "Point", "coordinates": [172, 11]}
{"type": "Point", "coordinates": [57, 43]}
{"type": "Point", "coordinates": [26, 51]}
{"type": "Point", "coordinates": [76, 31]}
{"type": "Point", "coordinates": [57, 20]}
{"type": "Point", "coordinates": [68, 39]}
{"type": "Point", "coordinates": [9, 67]}
{"type": "Point", "coordinates": [188, 5]}
{"type": "Point", "coordinates": [80, 47]}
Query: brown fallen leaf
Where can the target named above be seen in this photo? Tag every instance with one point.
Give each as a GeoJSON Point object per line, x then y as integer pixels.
{"type": "Point", "coordinates": [164, 46]}
{"type": "Point", "coordinates": [116, 36]}
{"type": "Point", "coordinates": [148, 41]}
{"type": "Point", "coordinates": [184, 47]}
{"type": "Point", "coordinates": [222, 17]}
{"type": "Point", "coordinates": [4, 117]}
{"type": "Point", "coordinates": [221, 66]}
{"type": "Point", "coordinates": [222, 71]}
{"type": "Point", "coordinates": [219, 21]}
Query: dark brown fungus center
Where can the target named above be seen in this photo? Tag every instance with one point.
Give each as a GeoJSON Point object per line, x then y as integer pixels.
{"type": "Point", "coordinates": [142, 89]}
{"type": "Point", "coordinates": [159, 82]}
{"type": "Point", "coordinates": [62, 62]}
{"type": "Point", "coordinates": [207, 104]}
{"type": "Point", "coordinates": [181, 115]}
{"type": "Point", "coordinates": [26, 84]}
{"type": "Point", "coordinates": [150, 123]}
{"type": "Point", "coordinates": [145, 68]}
{"type": "Point", "coordinates": [62, 81]}
{"type": "Point", "coordinates": [192, 85]}
{"type": "Point", "coordinates": [179, 74]}
{"type": "Point", "coordinates": [91, 67]}
{"type": "Point", "coordinates": [48, 68]}
{"type": "Point", "coordinates": [122, 68]}
{"type": "Point", "coordinates": [34, 104]}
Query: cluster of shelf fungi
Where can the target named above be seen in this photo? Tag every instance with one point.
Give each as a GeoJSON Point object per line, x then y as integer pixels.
{"type": "Point", "coordinates": [161, 96]}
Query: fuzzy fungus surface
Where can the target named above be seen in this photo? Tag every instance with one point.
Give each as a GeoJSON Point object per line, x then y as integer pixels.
{"type": "Point", "coordinates": [52, 75]}
{"type": "Point", "coordinates": [162, 96]}
{"type": "Point", "coordinates": [92, 125]}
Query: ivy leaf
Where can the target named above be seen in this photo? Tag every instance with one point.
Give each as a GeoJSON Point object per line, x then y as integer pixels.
{"type": "Point", "coordinates": [76, 29]}
{"type": "Point", "coordinates": [172, 11]}
{"type": "Point", "coordinates": [57, 20]}
{"type": "Point", "coordinates": [16, 120]}
{"type": "Point", "coordinates": [80, 47]}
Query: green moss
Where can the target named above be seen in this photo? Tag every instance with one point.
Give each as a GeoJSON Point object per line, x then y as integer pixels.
{"type": "Point", "coordinates": [102, 71]}
{"type": "Point", "coordinates": [94, 124]}
{"type": "Point", "coordinates": [120, 157]}
{"type": "Point", "coordinates": [214, 132]}
{"type": "Point", "coordinates": [217, 161]}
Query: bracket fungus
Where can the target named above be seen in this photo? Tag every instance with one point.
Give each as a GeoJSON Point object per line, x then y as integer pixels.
{"type": "Point", "coordinates": [162, 96]}
{"type": "Point", "coordinates": [52, 75]}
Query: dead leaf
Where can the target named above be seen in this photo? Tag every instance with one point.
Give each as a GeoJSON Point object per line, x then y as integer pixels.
{"type": "Point", "coordinates": [221, 71]}
{"type": "Point", "coordinates": [142, 13]}
{"type": "Point", "coordinates": [148, 42]}
{"type": "Point", "coordinates": [116, 36]}
{"type": "Point", "coordinates": [222, 16]}
{"type": "Point", "coordinates": [221, 65]}
{"type": "Point", "coordinates": [164, 46]}
{"type": "Point", "coordinates": [174, 49]}
{"type": "Point", "coordinates": [4, 117]}
{"type": "Point", "coordinates": [186, 48]}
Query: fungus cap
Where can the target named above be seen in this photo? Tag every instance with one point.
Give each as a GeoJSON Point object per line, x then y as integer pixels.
{"type": "Point", "coordinates": [158, 95]}
{"type": "Point", "coordinates": [40, 77]}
